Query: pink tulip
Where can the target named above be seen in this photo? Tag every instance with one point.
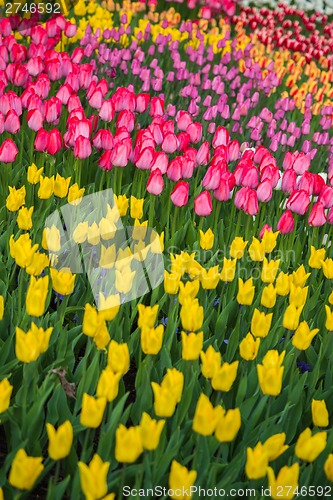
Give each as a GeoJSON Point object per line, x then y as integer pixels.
{"type": "Point", "coordinates": [203, 154]}
{"type": "Point", "coordinates": [183, 140]}
{"type": "Point", "coordinates": [41, 140]}
{"type": "Point", "coordinates": [222, 193]}
{"type": "Point", "coordinates": [212, 177]}
{"type": "Point", "coordinates": [126, 119]}
{"type": "Point", "coordinates": [233, 150]}
{"type": "Point", "coordinates": [54, 143]}
{"type": "Point", "coordinates": [103, 139]}
{"type": "Point", "coordinates": [288, 181]}
{"type": "Point", "coordinates": [183, 119]}
{"type": "Point", "coordinates": [301, 164]}
{"type": "Point", "coordinates": [53, 110]}
{"type": "Point", "coordinates": [317, 215]}
{"type": "Point", "coordinates": [174, 171]}
{"type": "Point", "coordinates": [318, 184]}
{"type": "Point", "coordinates": [104, 160]}
{"type": "Point", "coordinates": [298, 202]}
{"type": "Point", "coordinates": [169, 144]}
{"type": "Point", "coordinates": [155, 182]}
{"type": "Point", "coordinates": [35, 120]}
{"type": "Point", "coordinates": [246, 199]}
{"type": "Point", "coordinates": [180, 193]}
{"type": "Point", "coordinates": [221, 136]}
{"type": "Point", "coordinates": [203, 204]}
{"type": "Point", "coordinates": [145, 158]}
{"type": "Point", "coordinates": [142, 101]}
{"type": "Point", "coordinates": [265, 228]}
{"type": "Point", "coordinates": [265, 191]}
{"type": "Point", "coordinates": [160, 161]}
{"type": "Point", "coordinates": [250, 177]}
{"type": "Point", "coordinates": [82, 147]}
{"type": "Point", "coordinates": [195, 132]}
{"type": "Point", "coordinates": [8, 151]}
{"type": "Point", "coordinates": [12, 122]}
{"type": "Point", "coordinates": [156, 106]}
{"type": "Point", "coordinates": [326, 196]}
{"type": "Point", "coordinates": [121, 153]}
{"type": "Point", "coordinates": [286, 223]}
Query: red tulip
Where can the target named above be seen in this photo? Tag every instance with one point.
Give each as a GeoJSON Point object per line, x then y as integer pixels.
{"type": "Point", "coordinates": [286, 223]}
{"type": "Point", "coordinates": [265, 228]}
{"type": "Point", "coordinates": [298, 202]}
{"type": "Point", "coordinates": [155, 182]}
{"type": "Point", "coordinates": [8, 151]}
{"type": "Point", "coordinates": [141, 102]}
{"type": "Point", "coordinates": [41, 140]}
{"type": "Point", "coordinates": [180, 193]}
{"type": "Point", "coordinates": [317, 215]}
{"type": "Point", "coordinates": [203, 204]}
{"type": "Point", "coordinates": [103, 140]}
{"type": "Point", "coordinates": [54, 143]}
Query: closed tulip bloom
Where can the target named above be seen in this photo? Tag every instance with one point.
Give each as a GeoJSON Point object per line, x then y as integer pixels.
{"type": "Point", "coordinates": [298, 202]}
{"type": "Point", "coordinates": [155, 183]}
{"type": "Point", "coordinates": [36, 296]}
{"type": "Point", "coordinates": [136, 207]}
{"type": "Point", "coordinates": [256, 462]}
{"type": "Point", "coordinates": [309, 447]}
{"type": "Point", "coordinates": [328, 467]}
{"type": "Point", "coordinates": [27, 346]}
{"type": "Point", "coordinates": [128, 444]}
{"type": "Point", "coordinates": [282, 284]}
{"type": "Point", "coordinates": [245, 293]}
{"type": "Point", "coordinates": [171, 283]}
{"type": "Point", "coordinates": [291, 317]}
{"type": "Point", "coordinates": [268, 297]}
{"type": "Point", "coordinates": [51, 239]}
{"type": "Point", "coordinates": [299, 277]}
{"type": "Point", "coordinates": [147, 315]}
{"type": "Point", "coordinates": [206, 416]}
{"type": "Point", "coordinates": [285, 482]}
{"type": "Point", "coordinates": [34, 174]}
{"type": "Point", "coordinates": [298, 295]}
{"type": "Point", "coordinates": [92, 411]}
{"type": "Point", "coordinates": [8, 151]}
{"type": "Point", "coordinates": [286, 223]}
{"type": "Point", "coordinates": [46, 187]}
{"type": "Point", "coordinates": [319, 412]}
{"type": "Point", "coordinates": [15, 199]}
{"type": "Point", "coordinates": [191, 345]}
{"type": "Point", "coordinates": [180, 194]}
{"type": "Point", "coordinates": [203, 204]}
{"type": "Point", "coordinates": [25, 470]}
{"type": "Point", "coordinates": [210, 362]}
{"type": "Point", "coordinates": [206, 239]}
{"type": "Point", "coordinates": [228, 270]}
{"type": "Point", "coordinates": [256, 250]}
{"type": "Point", "coordinates": [209, 278]}
{"type": "Point", "coordinates": [60, 440]}
{"type": "Point", "coordinates": [275, 446]}
{"type": "Point", "coordinates": [108, 307]}
{"type": "Point", "coordinates": [42, 336]}
{"type": "Point", "coordinates": [80, 233]}
{"type": "Point", "coordinates": [38, 263]}
{"type": "Point", "coordinates": [61, 186]}
{"type": "Point", "coordinates": [237, 247]}
{"type": "Point", "coordinates": [329, 319]}
{"type": "Point", "coordinates": [75, 194]}
{"type": "Point", "coordinates": [94, 234]}
{"type": "Point", "coordinates": [317, 215]}
{"type": "Point", "coordinates": [164, 401]}
{"type": "Point", "coordinates": [62, 281]}
{"type": "Point", "coordinates": [248, 347]}
{"type": "Point", "coordinates": [152, 339]}
{"type": "Point", "coordinates": [173, 381]}
{"type": "Point", "coordinates": [303, 336]}
{"type": "Point", "coordinates": [93, 477]}
{"type": "Point", "coordinates": [191, 315]}
{"type": "Point", "coordinates": [108, 384]}
{"type": "Point", "coordinates": [327, 267]}
{"type": "Point", "coordinates": [118, 357]}
{"type": "Point", "coordinates": [180, 480]}
{"type": "Point", "coordinates": [269, 270]}
{"type": "Point", "coordinates": [228, 426]}
{"type": "Point", "coordinates": [22, 250]}
{"type": "Point", "coordinates": [269, 240]}
{"type": "Point", "coordinates": [150, 430]}
{"type": "Point", "coordinates": [6, 390]}
{"type": "Point", "coordinates": [270, 373]}
{"type": "Point", "coordinates": [316, 257]}
{"type": "Point", "coordinates": [24, 218]}
{"type": "Point", "coordinates": [225, 376]}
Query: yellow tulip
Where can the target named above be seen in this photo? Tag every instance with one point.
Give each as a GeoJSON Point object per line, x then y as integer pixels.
{"type": "Point", "coordinates": [118, 357]}
{"type": "Point", "coordinates": [245, 293]}
{"type": "Point", "coordinates": [108, 384]}
{"type": "Point", "coordinates": [248, 347]}
{"type": "Point", "coordinates": [128, 444]}
{"type": "Point", "coordinates": [191, 315]}
{"type": "Point", "coordinates": [270, 373]}
{"type": "Point", "coordinates": [269, 240]}
{"type": "Point", "coordinates": [286, 482]}
{"type": "Point", "coordinates": [6, 390]}
{"type": "Point", "coordinates": [309, 447]}
{"type": "Point", "coordinates": [209, 278]}
{"type": "Point", "coordinates": [92, 411]}
{"type": "Point", "coordinates": [147, 316]}
{"type": "Point", "coordinates": [191, 345]}
{"type": "Point", "coordinates": [225, 376]}
{"type": "Point", "coordinates": [24, 218]}
{"type": "Point", "coordinates": [228, 426]}
{"type": "Point", "coordinates": [124, 280]}
{"type": "Point", "coordinates": [75, 194]}
{"type": "Point", "coordinates": [25, 470]}
{"type": "Point", "coordinates": [181, 480]}
{"type": "Point", "coordinates": [316, 257]}
{"type": "Point", "coordinates": [107, 257]}
{"type": "Point", "coordinates": [206, 416]}
{"type": "Point", "coordinates": [256, 462]}
{"type": "Point", "coordinates": [60, 440]}
{"type": "Point", "coordinates": [38, 263]}
{"type": "Point", "coordinates": [329, 319]}
{"type": "Point", "coordinates": [211, 362]}
{"type": "Point", "coordinates": [206, 239]}
{"type": "Point", "coordinates": [108, 306]}
{"type": "Point", "coordinates": [237, 248]}
{"type": "Point", "coordinates": [303, 336]}
{"type": "Point", "coordinates": [107, 229]}
{"type": "Point", "coordinates": [173, 381]}
{"type": "Point", "coordinates": [171, 283]}
{"type": "Point", "coordinates": [46, 187]}
{"type": "Point", "coordinates": [34, 174]}
{"type": "Point", "coordinates": [93, 234]}
{"type": "Point", "coordinates": [268, 297]}
{"type": "Point", "coordinates": [61, 186]}
{"type": "Point", "coordinates": [62, 281]}
{"type": "Point", "coordinates": [152, 339]}
{"type": "Point", "coordinates": [122, 204]}
{"type": "Point", "coordinates": [327, 267]}
{"type": "Point", "coordinates": [164, 400]}
{"type": "Point", "coordinates": [291, 317]}
{"type": "Point", "coordinates": [328, 467]}
{"type": "Point", "coordinates": [299, 276]}
{"type": "Point", "coordinates": [36, 296]}
{"type": "Point", "coordinates": [51, 239]}
{"type": "Point", "coordinates": [136, 207]}
{"type": "Point", "coordinates": [298, 295]}
{"type": "Point", "coordinates": [150, 430]}
{"type": "Point", "coordinates": [319, 412]}
{"type": "Point", "coordinates": [256, 250]}
{"type": "Point", "coordinates": [15, 199]}
{"type": "Point", "coordinates": [93, 477]}
{"type": "Point", "coordinates": [261, 323]}
{"type": "Point", "coordinates": [274, 446]}
{"type": "Point", "coordinates": [269, 270]}
{"type": "Point", "coordinates": [282, 284]}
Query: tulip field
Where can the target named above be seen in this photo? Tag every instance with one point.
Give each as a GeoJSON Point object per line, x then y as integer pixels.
{"type": "Point", "coordinates": [166, 262]}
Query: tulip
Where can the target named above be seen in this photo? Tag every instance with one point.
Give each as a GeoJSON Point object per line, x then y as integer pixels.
{"type": "Point", "coordinates": [192, 315]}
{"type": "Point", "coordinates": [203, 204]}
{"type": "Point", "coordinates": [245, 293]}
{"type": "Point", "coordinates": [316, 257]}
{"type": "Point", "coordinates": [180, 479]}
{"type": "Point", "coordinates": [206, 239]}
{"type": "Point", "coordinates": [62, 281]}
{"type": "Point", "coordinates": [205, 416]}
{"type": "Point", "coordinates": [248, 347]}
{"type": "Point", "coordinates": [291, 317]}
{"type": "Point", "coordinates": [136, 208]}
{"type": "Point", "coordinates": [228, 426]}
{"type": "Point", "coordinates": [6, 390]}
{"type": "Point", "coordinates": [228, 270]}
{"type": "Point", "coordinates": [319, 412]}
{"type": "Point", "coordinates": [269, 270]}
{"type": "Point", "coordinates": [36, 296]}
{"type": "Point", "coordinates": [24, 218]}
{"type": "Point", "coordinates": [180, 194]}
{"type": "Point", "coordinates": [2, 307]}
{"type": "Point", "coordinates": [82, 147]}
{"type": "Point", "coordinates": [61, 186]}
{"type": "Point", "coordinates": [268, 297]}
{"type": "Point", "coordinates": [237, 247]}
{"type": "Point", "coordinates": [209, 278]}
{"type": "Point", "coordinates": [309, 447]}
{"type": "Point", "coordinates": [286, 481]}
{"type": "Point", "coordinates": [327, 267]}
{"type": "Point", "coordinates": [303, 336]}
{"type": "Point", "coordinates": [118, 357]}
{"type": "Point", "coordinates": [152, 339]}
{"type": "Point", "coordinates": [150, 431]}
{"type": "Point", "coordinates": [25, 470]}
{"type": "Point", "coordinates": [171, 283]}
{"type": "Point", "coordinates": [328, 467]}
{"type": "Point", "coordinates": [317, 215]}
{"type": "Point", "coordinates": [298, 202]}
{"type": "Point", "coordinates": [256, 462]}
{"type": "Point", "coordinates": [92, 411]}
{"type": "Point", "coordinates": [46, 187]}
{"type": "Point", "coordinates": [288, 184]}
{"type": "Point", "coordinates": [164, 401]}
{"type": "Point", "coordinates": [60, 440]}
{"type": "Point", "coordinates": [329, 319]}
{"type": "Point", "coordinates": [286, 223]}
{"type": "Point", "coordinates": [225, 376]}
{"type": "Point", "coordinates": [173, 381]}
{"type": "Point", "coordinates": [256, 250]}
{"type": "Point", "coordinates": [15, 199]}
{"type": "Point", "coordinates": [8, 151]}
{"type": "Point", "coordinates": [34, 174]}
{"type": "Point", "coordinates": [211, 362]}
{"type": "Point", "coordinates": [93, 477]}
{"type": "Point", "coordinates": [282, 284]}
{"type": "Point", "coordinates": [274, 446]}
{"type": "Point", "coordinates": [108, 384]}
{"type": "Point", "coordinates": [192, 344]}
{"type": "Point", "coordinates": [75, 194]}
{"type": "Point", "coordinates": [261, 323]}
{"type": "Point", "coordinates": [299, 276]}
{"type": "Point", "coordinates": [270, 373]}
{"type": "Point", "coordinates": [155, 183]}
